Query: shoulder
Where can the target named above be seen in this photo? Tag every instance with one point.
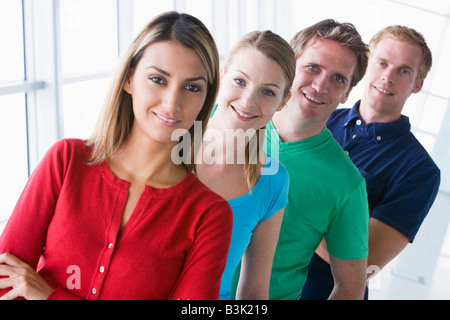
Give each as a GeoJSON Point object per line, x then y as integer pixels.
{"type": "Point", "coordinates": [410, 159]}
{"type": "Point", "coordinates": [339, 113]}
{"type": "Point", "coordinates": [191, 203]}
{"type": "Point", "coordinates": [321, 156]}
{"type": "Point", "coordinates": [339, 166]}
{"type": "Point", "coordinates": [271, 191]}
{"type": "Point", "coordinates": [68, 146]}
{"type": "Point", "coordinates": [211, 208]}
{"type": "Point", "coordinates": [64, 150]}
{"type": "Point", "coordinates": [338, 116]}
{"type": "Point", "coordinates": [198, 193]}
{"type": "Point", "coordinates": [275, 172]}
{"type": "Point", "coordinates": [420, 153]}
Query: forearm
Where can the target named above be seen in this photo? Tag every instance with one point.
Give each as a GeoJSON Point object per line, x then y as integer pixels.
{"type": "Point", "coordinates": [342, 292]}
{"type": "Point", "coordinates": [257, 261]}
{"type": "Point", "coordinates": [385, 243]}
{"type": "Point", "coordinates": [350, 279]}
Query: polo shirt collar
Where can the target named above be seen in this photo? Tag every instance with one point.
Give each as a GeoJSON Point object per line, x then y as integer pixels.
{"type": "Point", "coordinates": [381, 130]}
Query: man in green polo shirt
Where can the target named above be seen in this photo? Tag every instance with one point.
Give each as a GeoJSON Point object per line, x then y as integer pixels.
{"type": "Point", "coordinates": [327, 196]}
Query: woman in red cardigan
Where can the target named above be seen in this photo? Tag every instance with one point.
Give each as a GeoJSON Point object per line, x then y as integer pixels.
{"type": "Point", "coordinates": [114, 217]}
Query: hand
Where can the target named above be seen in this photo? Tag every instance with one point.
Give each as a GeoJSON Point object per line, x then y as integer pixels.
{"type": "Point", "coordinates": [23, 279]}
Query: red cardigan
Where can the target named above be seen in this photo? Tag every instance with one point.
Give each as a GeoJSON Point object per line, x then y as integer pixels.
{"type": "Point", "coordinates": [66, 225]}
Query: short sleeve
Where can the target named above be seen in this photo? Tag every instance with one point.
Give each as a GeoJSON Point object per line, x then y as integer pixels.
{"type": "Point", "coordinates": [277, 187]}
{"type": "Point", "coordinates": [405, 206]}
{"type": "Point", "coordinates": [347, 236]}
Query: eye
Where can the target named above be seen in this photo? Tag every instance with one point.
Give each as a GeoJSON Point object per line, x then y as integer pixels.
{"type": "Point", "coordinates": [339, 78]}
{"type": "Point", "coordinates": [313, 68]}
{"type": "Point", "coordinates": [404, 71]}
{"type": "Point", "coordinates": [157, 80]}
{"type": "Point", "coordinates": [268, 92]}
{"type": "Point", "coordinates": [239, 81]}
{"type": "Point", "coordinates": [193, 88]}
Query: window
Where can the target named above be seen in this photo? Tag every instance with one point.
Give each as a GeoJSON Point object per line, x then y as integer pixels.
{"type": "Point", "coordinates": [144, 11]}
{"type": "Point", "coordinates": [11, 33]}
{"type": "Point", "coordinates": [89, 52]}
{"type": "Point", "coordinates": [202, 9]}
{"type": "Point", "coordinates": [13, 118]}
{"type": "Point", "coordinates": [82, 101]}
{"type": "Point", "coordinates": [14, 160]}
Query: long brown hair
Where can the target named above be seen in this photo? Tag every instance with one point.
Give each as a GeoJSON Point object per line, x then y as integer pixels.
{"type": "Point", "coordinates": [117, 117]}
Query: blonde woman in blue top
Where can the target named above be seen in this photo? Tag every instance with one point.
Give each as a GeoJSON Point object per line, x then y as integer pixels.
{"type": "Point", "coordinates": [255, 83]}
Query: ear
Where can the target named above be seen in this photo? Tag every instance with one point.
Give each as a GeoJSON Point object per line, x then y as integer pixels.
{"type": "Point", "coordinates": [285, 101]}
{"type": "Point", "coordinates": [418, 86]}
{"type": "Point", "coordinates": [127, 86]}
{"type": "Point", "coordinates": [222, 73]}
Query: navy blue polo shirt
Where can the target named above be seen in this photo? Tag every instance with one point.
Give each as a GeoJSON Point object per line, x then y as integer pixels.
{"type": "Point", "coordinates": [402, 180]}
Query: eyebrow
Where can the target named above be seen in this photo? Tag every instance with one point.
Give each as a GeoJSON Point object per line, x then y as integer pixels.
{"type": "Point", "coordinates": [264, 84]}
{"type": "Point", "coordinates": [167, 74]}
{"type": "Point", "coordinates": [407, 67]}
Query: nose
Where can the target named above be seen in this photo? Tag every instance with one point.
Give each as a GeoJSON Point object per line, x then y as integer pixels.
{"type": "Point", "coordinates": [249, 99]}
{"type": "Point", "coordinates": [172, 99]}
{"type": "Point", "coordinates": [320, 83]}
{"type": "Point", "coordinates": [388, 76]}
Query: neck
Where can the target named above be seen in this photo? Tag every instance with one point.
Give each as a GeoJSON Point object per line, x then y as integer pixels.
{"type": "Point", "coordinates": [140, 161]}
{"type": "Point", "coordinates": [225, 146]}
{"type": "Point", "coordinates": [370, 114]}
{"type": "Point", "coordinates": [291, 131]}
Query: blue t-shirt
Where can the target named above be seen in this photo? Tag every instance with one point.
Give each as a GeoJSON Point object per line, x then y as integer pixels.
{"type": "Point", "coordinates": [269, 195]}
{"type": "Point", "coordinates": [402, 180]}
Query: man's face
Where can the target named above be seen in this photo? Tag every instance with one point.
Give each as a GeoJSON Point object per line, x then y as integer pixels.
{"type": "Point", "coordinates": [322, 81]}
{"type": "Point", "coordinates": [391, 77]}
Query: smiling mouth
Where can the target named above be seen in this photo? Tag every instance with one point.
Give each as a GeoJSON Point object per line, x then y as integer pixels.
{"type": "Point", "coordinates": [312, 99]}
{"type": "Point", "coordinates": [243, 115]}
{"type": "Point", "coordinates": [172, 121]}
{"type": "Point", "coordinates": [384, 91]}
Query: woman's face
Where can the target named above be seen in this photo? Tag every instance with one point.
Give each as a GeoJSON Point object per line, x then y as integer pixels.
{"type": "Point", "coordinates": [251, 90]}
{"type": "Point", "coordinates": [168, 90]}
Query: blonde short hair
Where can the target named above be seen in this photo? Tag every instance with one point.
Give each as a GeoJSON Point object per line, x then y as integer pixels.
{"type": "Point", "coordinates": [406, 34]}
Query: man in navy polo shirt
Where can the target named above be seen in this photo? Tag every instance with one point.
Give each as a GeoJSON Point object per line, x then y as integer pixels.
{"type": "Point", "coordinates": [402, 180]}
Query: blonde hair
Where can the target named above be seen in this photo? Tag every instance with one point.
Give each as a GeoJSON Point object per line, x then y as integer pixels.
{"type": "Point", "coordinates": [117, 117]}
{"type": "Point", "coordinates": [406, 34]}
{"type": "Point", "coordinates": [345, 34]}
{"type": "Point", "coordinates": [276, 49]}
